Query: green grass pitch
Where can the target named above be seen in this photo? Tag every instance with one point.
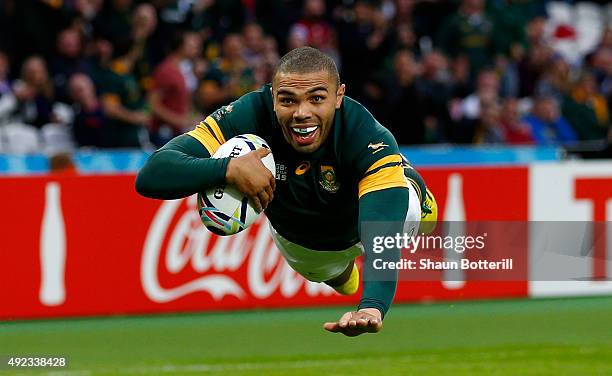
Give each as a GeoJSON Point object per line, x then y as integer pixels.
{"type": "Point", "coordinates": [510, 337]}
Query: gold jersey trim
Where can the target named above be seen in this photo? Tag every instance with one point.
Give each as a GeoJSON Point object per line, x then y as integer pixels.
{"type": "Point", "coordinates": [209, 134]}
{"type": "Point", "coordinates": [386, 177]}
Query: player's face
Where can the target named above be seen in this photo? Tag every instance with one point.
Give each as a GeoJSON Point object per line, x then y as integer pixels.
{"type": "Point", "coordinates": [305, 105]}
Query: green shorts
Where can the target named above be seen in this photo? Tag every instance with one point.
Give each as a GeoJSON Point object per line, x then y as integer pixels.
{"type": "Point", "coordinates": [320, 266]}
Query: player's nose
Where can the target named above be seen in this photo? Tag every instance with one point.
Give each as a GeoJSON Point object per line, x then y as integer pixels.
{"type": "Point", "coordinates": [302, 112]}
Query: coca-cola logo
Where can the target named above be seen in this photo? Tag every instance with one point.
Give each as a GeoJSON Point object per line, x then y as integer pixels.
{"type": "Point", "coordinates": [245, 265]}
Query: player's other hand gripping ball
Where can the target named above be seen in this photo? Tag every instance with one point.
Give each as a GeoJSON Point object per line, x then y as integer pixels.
{"type": "Point", "coordinates": [429, 214]}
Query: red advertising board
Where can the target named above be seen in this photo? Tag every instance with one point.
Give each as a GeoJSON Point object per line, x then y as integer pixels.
{"type": "Point", "coordinates": [89, 245]}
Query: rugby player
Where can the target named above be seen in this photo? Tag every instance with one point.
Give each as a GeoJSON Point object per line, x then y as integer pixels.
{"type": "Point", "coordinates": [337, 168]}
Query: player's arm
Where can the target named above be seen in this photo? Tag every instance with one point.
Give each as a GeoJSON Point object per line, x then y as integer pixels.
{"type": "Point", "coordinates": [180, 168]}
{"type": "Point", "coordinates": [386, 211]}
{"type": "Point", "coordinates": [383, 204]}
{"type": "Point", "coordinates": [183, 166]}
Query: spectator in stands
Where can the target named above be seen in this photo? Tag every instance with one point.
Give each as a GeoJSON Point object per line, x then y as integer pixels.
{"type": "Point", "coordinates": [404, 38]}
{"type": "Point", "coordinates": [99, 62]}
{"type": "Point", "coordinates": [606, 38]}
{"type": "Point", "coordinates": [362, 34]}
{"type": "Point", "coordinates": [254, 44]}
{"type": "Point", "coordinates": [515, 130]}
{"type": "Point", "coordinates": [90, 125]}
{"type": "Point", "coordinates": [231, 73]}
{"type": "Point", "coordinates": [314, 29]}
{"type": "Point", "coordinates": [554, 78]}
{"type": "Point", "coordinates": [404, 10]}
{"type": "Point", "coordinates": [586, 92]}
{"type": "Point", "coordinates": [144, 22]}
{"type": "Point", "coordinates": [295, 39]}
{"type": "Point", "coordinates": [548, 127]}
{"type": "Point", "coordinates": [534, 66]}
{"type": "Point", "coordinates": [469, 31]}
{"type": "Point", "coordinates": [62, 164]}
{"type": "Point", "coordinates": [510, 18]}
{"type": "Point", "coordinates": [487, 90]}
{"type": "Point", "coordinates": [264, 71]}
{"type": "Point", "coordinates": [406, 114]}
{"type": "Point", "coordinates": [170, 98]}
{"type": "Point", "coordinates": [460, 86]}
{"type": "Point", "coordinates": [434, 88]}
{"type": "Point", "coordinates": [122, 99]}
{"type": "Point", "coordinates": [113, 22]}
{"type": "Point", "coordinates": [34, 93]}
{"type": "Point", "coordinates": [67, 61]}
{"type": "Point", "coordinates": [601, 64]}
{"type": "Point", "coordinates": [8, 102]}
{"type": "Point", "coordinates": [556, 82]}
{"type": "Point", "coordinates": [535, 32]}
{"type": "Point", "coordinates": [86, 12]}
{"type": "Point", "coordinates": [488, 128]}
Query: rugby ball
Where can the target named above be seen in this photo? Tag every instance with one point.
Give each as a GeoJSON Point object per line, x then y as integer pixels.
{"type": "Point", "coordinates": [223, 209]}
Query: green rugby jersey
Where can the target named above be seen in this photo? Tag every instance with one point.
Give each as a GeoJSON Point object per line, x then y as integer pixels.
{"type": "Point", "coordinates": [355, 177]}
{"type": "Point", "coordinates": [316, 201]}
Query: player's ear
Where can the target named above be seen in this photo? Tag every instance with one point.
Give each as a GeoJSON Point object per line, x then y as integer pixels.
{"type": "Point", "coordinates": [340, 95]}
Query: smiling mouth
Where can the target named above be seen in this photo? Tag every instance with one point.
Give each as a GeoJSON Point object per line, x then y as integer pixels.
{"type": "Point", "coordinates": [304, 135]}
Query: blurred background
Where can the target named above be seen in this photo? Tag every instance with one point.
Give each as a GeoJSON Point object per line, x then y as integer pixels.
{"type": "Point", "coordinates": [133, 74]}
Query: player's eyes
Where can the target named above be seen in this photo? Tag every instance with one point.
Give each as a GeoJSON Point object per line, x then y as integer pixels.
{"type": "Point", "coordinates": [286, 100]}
{"type": "Point", "coordinates": [318, 98]}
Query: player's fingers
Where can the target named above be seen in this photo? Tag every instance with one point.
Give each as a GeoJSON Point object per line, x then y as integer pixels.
{"type": "Point", "coordinates": [344, 320]}
{"type": "Point", "coordinates": [272, 182]}
{"type": "Point", "coordinates": [262, 152]}
{"type": "Point", "coordinates": [264, 199]}
{"type": "Point", "coordinates": [270, 194]}
{"type": "Point", "coordinates": [352, 323]}
{"type": "Point", "coordinates": [256, 203]}
{"type": "Point", "coordinates": [331, 327]}
{"type": "Point", "coordinates": [374, 326]}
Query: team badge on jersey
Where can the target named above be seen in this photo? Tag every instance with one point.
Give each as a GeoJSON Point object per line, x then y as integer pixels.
{"type": "Point", "coordinates": [328, 179]}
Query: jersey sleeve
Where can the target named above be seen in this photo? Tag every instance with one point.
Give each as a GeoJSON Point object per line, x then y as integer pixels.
{"type": "Point", "coordinates": [180, 168]}
{"type": "Point", "coordinates": [239, 117]}
{"type": "Point", "coordinates": [373, 154]}
{"type": "Point", "coordinates": [386, 207]}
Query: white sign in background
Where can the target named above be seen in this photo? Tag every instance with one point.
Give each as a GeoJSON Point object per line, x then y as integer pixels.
{"type": "Point", "coordinates": [552, 198]}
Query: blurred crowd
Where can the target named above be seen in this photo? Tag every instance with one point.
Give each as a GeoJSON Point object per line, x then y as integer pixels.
{"type": "Point", "coordinates": [129, 73]}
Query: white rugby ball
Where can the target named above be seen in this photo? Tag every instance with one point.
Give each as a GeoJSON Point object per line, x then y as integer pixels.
{"type": "Point", "coordinates": [224, 210]}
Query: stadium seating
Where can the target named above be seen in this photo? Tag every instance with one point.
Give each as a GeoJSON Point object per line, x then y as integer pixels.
{"type": "Point", "coordinates": [21, 139]}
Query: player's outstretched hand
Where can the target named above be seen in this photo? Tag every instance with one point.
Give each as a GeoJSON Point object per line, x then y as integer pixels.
{"type": "Point", "coordinates": [249, 175]}
{"type": "Point", "coordinates": [354, 323]}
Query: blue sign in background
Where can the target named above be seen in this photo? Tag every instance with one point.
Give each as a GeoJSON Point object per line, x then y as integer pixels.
{"type": "Point", "coordinates": [129, 161]}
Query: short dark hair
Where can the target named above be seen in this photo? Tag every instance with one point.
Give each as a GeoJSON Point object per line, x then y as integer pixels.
{"type": "Point", "coordinates": [177, 40]}
{"type": "Point", "coordinates": [307, 60]}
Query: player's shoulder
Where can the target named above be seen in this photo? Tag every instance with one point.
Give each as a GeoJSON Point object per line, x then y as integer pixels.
{"type": "Point", "coordinates": [252, 106]}
{"type": "Point", "coordinates": [359, 127]}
